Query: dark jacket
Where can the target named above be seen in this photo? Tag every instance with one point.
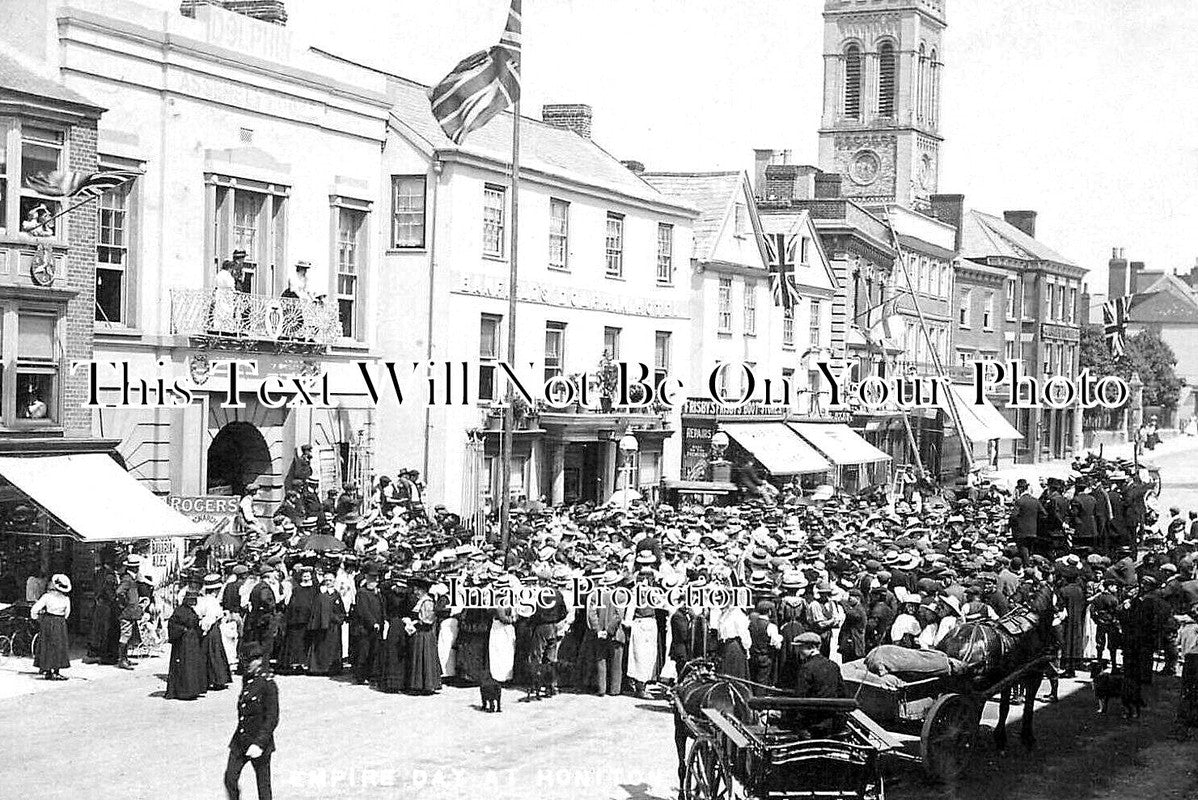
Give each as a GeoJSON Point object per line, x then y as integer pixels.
{"type": "Point", "coordinates": [230, 596]}
{"type": "Point", "coordinates": [257, 714]}
{"type": "Point", "coordinates": [128, 599]}
{"type": "Point", "coordinates": [1026, 514]}
{"type": "Point", "coordinates": [367, 612]}
{"type": "Point", "coordinates": [1084, 511]}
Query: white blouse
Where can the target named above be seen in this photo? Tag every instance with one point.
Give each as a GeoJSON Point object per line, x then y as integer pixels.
{"type": "Point", "coordinates": [733, 623]}
{"type": "Point", "coordinates": [52, 602]}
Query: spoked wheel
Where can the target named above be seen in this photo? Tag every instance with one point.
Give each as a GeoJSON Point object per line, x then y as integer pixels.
{"type": "Point", "coordinates": [21, 645]}
{"type": "Point", "coordinates": [706, 774]}
{"type": "Point", "coordinates": [947, 740]}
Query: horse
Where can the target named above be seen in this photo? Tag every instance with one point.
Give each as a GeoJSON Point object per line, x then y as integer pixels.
{"type": "Point", "coordinates": [994, 649]}
{"type": "Point", "coordinates": [700, 686]}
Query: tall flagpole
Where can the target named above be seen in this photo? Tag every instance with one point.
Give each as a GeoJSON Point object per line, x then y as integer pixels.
{"type": "Point", "coordinates": [505, 501]}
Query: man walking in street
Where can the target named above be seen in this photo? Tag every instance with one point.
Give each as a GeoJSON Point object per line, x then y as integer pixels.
{"type": "Point", "coordinates": [128, 603]}
{"type": "Point", "coordinates": [257, 717]}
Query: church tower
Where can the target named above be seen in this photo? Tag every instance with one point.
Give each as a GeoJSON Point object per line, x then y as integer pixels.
{"type": "Point", "coordinates": [880, 128]}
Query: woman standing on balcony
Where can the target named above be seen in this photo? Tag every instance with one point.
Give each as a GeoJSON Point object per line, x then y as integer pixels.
{"type": "Point", "coordinates": [224, 301]}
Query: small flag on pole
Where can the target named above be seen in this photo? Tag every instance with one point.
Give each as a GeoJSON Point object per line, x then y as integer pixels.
{"type": "Point", "coordinates": [781, 251]}
{"type": "Point", "coordinates": [68, 183]}
{"type": "Point", "coordinates": [481, 85]}
{"type": "Point", "coordinates": [1114, 318]}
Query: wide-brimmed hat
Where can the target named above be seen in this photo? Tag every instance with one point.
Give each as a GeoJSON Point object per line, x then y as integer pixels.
{"type": "Point", "coordinates": [132, 561]}
{"type": "Point", "coordinates": [62, 583]}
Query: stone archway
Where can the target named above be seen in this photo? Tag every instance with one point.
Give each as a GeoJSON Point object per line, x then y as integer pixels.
{"type": "Point", "coordinates": [237, 456]}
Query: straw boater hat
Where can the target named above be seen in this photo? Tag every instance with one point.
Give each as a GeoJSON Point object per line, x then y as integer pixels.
{"type": "Point", "coordinates": [62, 583]}
{"type": "Point", "coordinates": [212, 581]}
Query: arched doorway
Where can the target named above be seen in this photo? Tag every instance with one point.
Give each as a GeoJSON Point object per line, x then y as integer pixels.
{"type": "Point", "coordinates": [237, 456]}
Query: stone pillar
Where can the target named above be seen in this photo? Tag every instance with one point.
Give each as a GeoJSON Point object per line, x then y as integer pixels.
{"type": "Point", "coordinates": [611, 469]}
{"type": "Point", "coordinates": [557, 471]}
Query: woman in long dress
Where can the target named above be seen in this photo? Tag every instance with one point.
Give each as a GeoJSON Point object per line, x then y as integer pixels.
{"type": "Point", "coordinates": [328, 617]}
{"type": "Point", "coordinates": [448, 627]}
{"type": "Point", "coordinates": [731, 625]}
{"type": "Point", "coordinates": [216, 659]}
{"type": "Point", "coordinates": [501, 644]}
{"type": "Point", "coordinates": [474, 631]}
{"type": "Point", "coordinates": [186, 678]}
{"type": "Point", "coordinates": [424, 663]}
{"type": "Point", "coordinates": [393, 654]}
{"type": "Point", "coordinates": [296, 618]}
{"type": "Point", "coordinates": [224, 300]}
{"type": "Point", "coordinates": [642, 643]}
{"type": "Point", "coordinates": [51, 612]}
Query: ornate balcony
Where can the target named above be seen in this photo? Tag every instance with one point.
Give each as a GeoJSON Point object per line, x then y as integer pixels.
{"type": "Point", "coordinates": [227, 319]}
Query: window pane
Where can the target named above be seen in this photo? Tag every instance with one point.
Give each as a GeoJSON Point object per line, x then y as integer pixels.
{"type": "Point", "coordinates": [35, 396]}
{"type": "Point", "coordinates": [247, 210]}
{"type": "Point", "coordinates": [665, 252]}
{"type": "Point", "coordinates": [35, 337]}
{"type": "Point", "coordinates": [559, 231]}
{"type": "Point", "coordinates": [493, 221]}
{"type": "Point", "coordinates": [37, 216]}
{"type": "Point", "coordinates": [109, 289]}
{"type": "Point", "coordinates": [39, 159]}
{"type": "Point", "coordinates": [407, 229]}
{"type": "Point", "coordinates": [488, 337]}
{"type": "Point", "coordinates": [615, 246]}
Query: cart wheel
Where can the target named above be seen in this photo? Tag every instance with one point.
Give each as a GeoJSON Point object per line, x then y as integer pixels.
{"type": "Point", "coordinates": [706, 774]}
{"type": "Point", "coordinates": [946, 742]}
{"type": "Point", "coordinates": [21, 645]}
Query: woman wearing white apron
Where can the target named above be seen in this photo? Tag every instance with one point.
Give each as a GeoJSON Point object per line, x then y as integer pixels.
{"type": "Point", "coordinates": [642, 642]}
{"type": "Point", "coordinates": [447, 635]}
{"type": "Point", "coordinates": [501, 646]}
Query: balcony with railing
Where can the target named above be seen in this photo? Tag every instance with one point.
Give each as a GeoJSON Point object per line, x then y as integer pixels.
{"type": "Point", "coordinates": [228, 319]}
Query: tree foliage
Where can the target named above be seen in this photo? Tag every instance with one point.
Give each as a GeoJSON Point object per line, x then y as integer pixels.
{"type": "Point", "coordinates": [1145, 352]}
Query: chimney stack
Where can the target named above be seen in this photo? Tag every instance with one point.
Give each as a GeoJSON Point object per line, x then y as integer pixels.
{"type": "Point", "coordinates": [950, 208]}
{"type": "Point", "coordinates": [827, 185]}
{"type": "Point", "coordinates": [272, 11]}
{"type": "Point", "coordinates": [1134, 268]}
{"type": "Point", "coordinates": [635, 167]}
{"type": "Point", "coordinates": [1117, 276]}
{"type": "Point", "coordinates": [571, 116]}
{"type": "Point", "coordinates": [1023, 220]}
{"type": "Point", "coordinates": [763, 159]}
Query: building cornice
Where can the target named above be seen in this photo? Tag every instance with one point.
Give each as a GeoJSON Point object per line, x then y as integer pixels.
{"type": "Point", "coordinates": [555, 181]}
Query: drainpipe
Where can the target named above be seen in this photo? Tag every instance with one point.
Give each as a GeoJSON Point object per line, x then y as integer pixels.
{"type": "Point", "coordinates": [438, 166]}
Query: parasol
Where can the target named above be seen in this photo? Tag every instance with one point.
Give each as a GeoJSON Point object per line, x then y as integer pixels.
{"type": "Point", "coordinates": [321, 543]}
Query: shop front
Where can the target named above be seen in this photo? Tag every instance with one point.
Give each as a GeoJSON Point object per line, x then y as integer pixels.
{"type": "Point", "coordinates": [62, 513]}
{"type": "Point", "coordinates": [856, 463]}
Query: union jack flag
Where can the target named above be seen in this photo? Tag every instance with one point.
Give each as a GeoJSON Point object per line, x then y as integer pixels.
{"type": "Point", "coordinates": [781, 251]}
{"type": "Point", "coordinates": [69, 183]}
{"type": "Point", "coordinates": [481, 85]}
{"type": "Point", "coordinates": [1114, 318]}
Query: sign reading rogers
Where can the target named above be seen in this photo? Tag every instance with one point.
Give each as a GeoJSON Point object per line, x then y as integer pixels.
{"type": "Point", "coordinates": [204, 505]}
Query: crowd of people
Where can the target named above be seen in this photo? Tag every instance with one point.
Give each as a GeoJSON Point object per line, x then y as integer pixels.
{"type": "Point", "coordinates": [365, 587]}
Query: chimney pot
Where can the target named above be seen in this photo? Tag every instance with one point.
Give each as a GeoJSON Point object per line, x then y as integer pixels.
{"type": "Point", "coordinates": [570, 116]}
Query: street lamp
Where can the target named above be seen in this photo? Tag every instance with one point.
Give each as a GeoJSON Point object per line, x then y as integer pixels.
{"type": "Point", "coordinates": [628, 446]}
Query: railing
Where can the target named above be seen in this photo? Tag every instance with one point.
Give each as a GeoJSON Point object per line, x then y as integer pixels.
{"type": "Point", "coordinates": [231, 315]}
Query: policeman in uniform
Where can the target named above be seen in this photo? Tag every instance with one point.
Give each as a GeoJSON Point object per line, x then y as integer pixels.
{"type": "Point", "coordinates": [257, 716]}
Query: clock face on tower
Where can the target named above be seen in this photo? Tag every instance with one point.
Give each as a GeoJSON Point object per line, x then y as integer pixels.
{"type": "Point", "coordinates": [864, 167]}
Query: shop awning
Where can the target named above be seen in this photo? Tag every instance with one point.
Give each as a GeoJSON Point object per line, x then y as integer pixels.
{"type": "Point", "coordinates": [840, 443]}
{"type": "Point", "coordinates": [90, 494]}
{"type": "Point", "coordinates": [777, 448]}
{"type": "Point", "coordinates": [981, 423]}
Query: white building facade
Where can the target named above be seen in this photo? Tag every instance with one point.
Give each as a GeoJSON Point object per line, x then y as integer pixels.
{"type": "Point", "coordinates": [242, 141]}
{"type": "Point", "coordinates": [603, 268]}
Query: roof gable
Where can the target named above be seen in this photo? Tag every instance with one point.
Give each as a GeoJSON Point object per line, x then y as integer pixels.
{"type": "Point", "coordinates": [818, 270]}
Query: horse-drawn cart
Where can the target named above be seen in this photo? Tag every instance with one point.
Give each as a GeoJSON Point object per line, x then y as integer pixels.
{"type": "Point", "coordinates": [735, 757]}
{"type": "Point", "coordinates": [946, 710]}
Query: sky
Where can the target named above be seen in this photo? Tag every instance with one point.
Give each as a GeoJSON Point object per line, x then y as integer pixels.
{"type": "Point", "coordinates": [1083, 110]}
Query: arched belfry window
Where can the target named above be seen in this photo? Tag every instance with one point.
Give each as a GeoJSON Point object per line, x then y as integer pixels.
{"type": "Point", "coordinates": [852, 81]}
{"type": "Point", "coordinates": [920, 79]}
{"type": "Point", "coordinates": [934, 100]}
{"type": "Point", "coordinates": [887, 75]}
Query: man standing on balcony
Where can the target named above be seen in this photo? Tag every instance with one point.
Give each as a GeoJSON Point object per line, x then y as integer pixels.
{"type": "Point", "coordinates": [239, 274]}
{"type": "Point", "coordinates": [300, 470]}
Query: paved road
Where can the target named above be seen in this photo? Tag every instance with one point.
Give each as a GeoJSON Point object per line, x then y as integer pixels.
{"type": "Point", "coordinates": [114, 737]}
